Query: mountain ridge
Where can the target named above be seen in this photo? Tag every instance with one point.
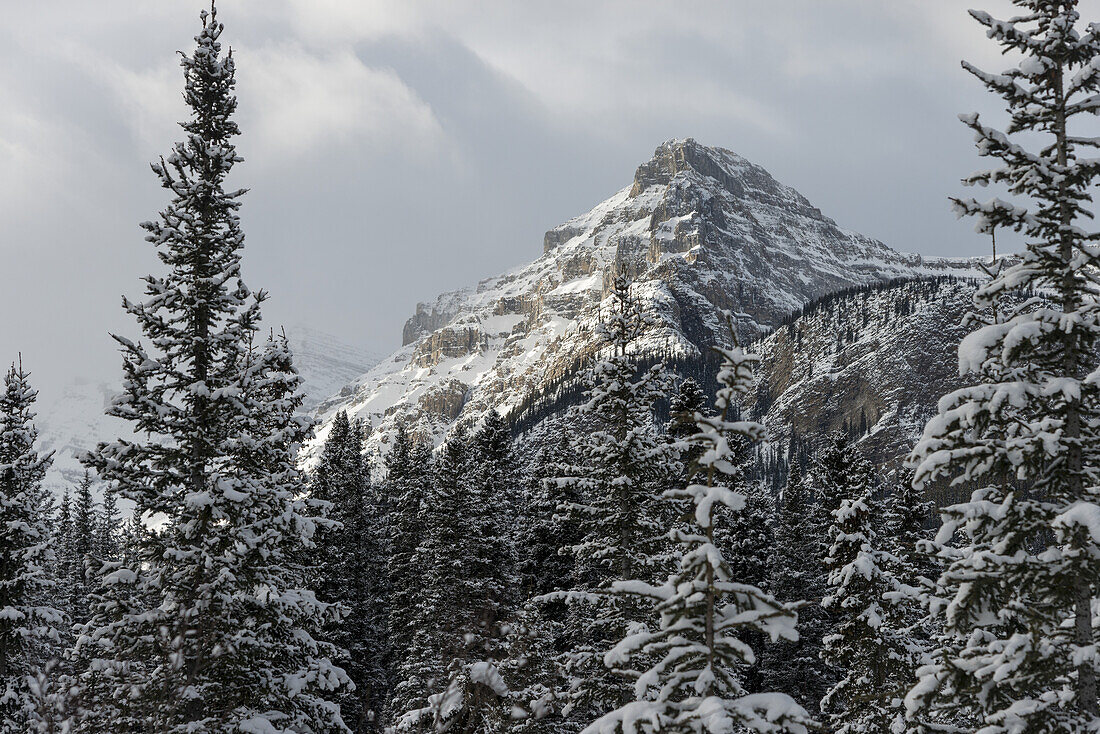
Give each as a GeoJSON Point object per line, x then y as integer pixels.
{"type": "Point", "coordinates": [699, 230]}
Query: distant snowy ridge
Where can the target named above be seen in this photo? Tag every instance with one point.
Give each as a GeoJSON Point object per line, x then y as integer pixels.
{"type": "Point", "coordinates": [700, 230]}
{"type": "Point", "coordinates": [72, 420]}
{"type": "Point", "coordinates": [326, 363]}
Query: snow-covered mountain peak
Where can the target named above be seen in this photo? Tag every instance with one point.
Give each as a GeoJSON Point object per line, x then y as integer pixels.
{"type": "Point", "coordinates": [687, 160]}
{"type": "Point", "coordinates": [699, 230]}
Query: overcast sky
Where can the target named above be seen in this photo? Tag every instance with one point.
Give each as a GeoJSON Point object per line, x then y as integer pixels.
{"type": "Point", "coordinates": [398, 149]}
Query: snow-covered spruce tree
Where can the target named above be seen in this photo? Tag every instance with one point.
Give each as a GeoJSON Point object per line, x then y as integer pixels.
{"type": "Point", "coordinates": [873, 662]}
{"type": "Point", "coordinates": [408, 469]}
{"type": "Point", "coordinates": [746, 541]}
{"type": "Point", "coordinates": [493, 586]}
{"type": "Point", "coordinates": [277, 620]}
{"type": "Point", "coordinates": [207, 627]}
{"type": "Point", "coordinates": [837, 472]}
{"type": "Point", "coordinates": [538, 635]}
{"type": "Point", "coordinates": [621, 471]}
{"type": "Point", "coordinates": [82, 549]}
{"type": "Point", "coordinates": [682, 407]}
{"type": "Point", "coordinates": [108, 538]}
{"type": "Point", "coordinates": [29, 623]}
{"type": "Point", "coordinates": [542, 567]}
{"type": "Point", "coordinates": [350, 570]}
{"type": "Point", "coordinates": [1018, 649]}
{"type": "Point", "coordinates": [907, 521]}
{"type": "Point", "coordinates": [470, 587]}
{"type": "Point", "coordinates": [62, 569]}
{"type": "Point", "coordinates": [496, 485]}
{"type": "Point", "coordinates": [697, 651]}
{"type": "Point", "coordinates": [744, 537]}
{"type": "Point", "coordinates": [444, 598]}
{"type": "Point", "coordinates": [913, 570]}
{"type": "Point", "coordinates": [797, 574]}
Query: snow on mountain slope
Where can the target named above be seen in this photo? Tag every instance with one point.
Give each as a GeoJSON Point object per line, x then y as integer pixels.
{"type": "Point", "coordinates": [71, 419]}
{"type": "Point", "coordinates": [699, 230]}
{"type": "Point", "coordinates": [326, 363]}
{"type": "Point", "coordinates": [872, 363]}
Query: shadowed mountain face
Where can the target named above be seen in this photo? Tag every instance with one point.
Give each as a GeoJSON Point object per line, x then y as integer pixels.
{"type": "Point", "coordinates": [872, 363]}
{"type": "Point", "coordinates": [699, 230]}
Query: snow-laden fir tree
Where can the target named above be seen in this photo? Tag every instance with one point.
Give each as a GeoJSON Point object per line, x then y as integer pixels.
{"type": "Point", "coordinates": [542, 568]}
{"type": "Point", "coordinates": [350, 569]}
{"type": "Point", "coordinates": [444, 597]}
{"type": "Point", "coordinates": [81, 548]}
{"type": "Point", "coordinates": [30, 624]}
{"type": "Point", "coordinates": [622, 468]}
{"type": "Point", "coordinates": [408, 470]}
{"type": "Point", "coordinates": [873, 661]}
{"type": "Point", "coordinates": [108, 536]}
{"type": "Point", "coordinates": [1018, 649]}
{"type": "Point", "coordinates": [682, 407]}
{"type": "Point", "coordinates": [835, 470]}
{"type": "Point", "coordinates": [538, 636]}
{"type": "Point", "coordinates": [470, 586]}
{"type": "Point", "coordinates": [62, 569]}
{"type": "Point", "coordinates": [913, 571]}
{"type": "Point", "coordinates": [496, 487]}
{"type": "Point", "coordinates": [746, 541]}
{"type": "Point", "coordinates": [697, 651]}
{"type": "Point", "coordinates": [744, 537]}
{"type": "Point", "coordinates": [207, 627]}
{"type": "Point", "coordinates": [797, 574]}
{"type": "Point", "coordinates": [494, 492]}
{"type": "Point", "coordinates": [907, 521]}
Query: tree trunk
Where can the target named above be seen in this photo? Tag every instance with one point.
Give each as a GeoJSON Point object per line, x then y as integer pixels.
{"type": "Point", "coordinates": [1082, 629]}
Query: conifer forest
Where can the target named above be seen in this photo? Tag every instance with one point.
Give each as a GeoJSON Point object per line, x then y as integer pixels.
{"type": "Point", "coordinates": [709, 464]}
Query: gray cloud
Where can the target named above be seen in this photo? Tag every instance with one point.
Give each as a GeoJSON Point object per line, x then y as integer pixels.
{"type": "Point", "coordinates": [397, 149]}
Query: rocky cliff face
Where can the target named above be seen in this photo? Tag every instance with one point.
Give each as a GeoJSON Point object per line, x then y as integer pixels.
{"type": "Point", "coordinates": [699, 230]}
{"type": "Point", "coordinates": [872, 363]}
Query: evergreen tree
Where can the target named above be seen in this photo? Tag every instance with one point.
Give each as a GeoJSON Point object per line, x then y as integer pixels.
{"type": "Point", "coordinates": [698, 649]}
{"type": "Point", "coordinates": [29, 623]}
{"type": "Point", "coordinates": [746, 542]}
{"type": "Point", "coordinates": [542, 568]}
{"type": "Point", "coordinates": [744, 537]}
{"type": "Point", "coordinates": [63, 568]}
{"type": "Point", "coordinates": [622, 466]}
{"type": "Point", "coordinates": [82, 550]}
{"type": "Point", "coordinates": [108, 528]}
{"type": "Point", "coordinates": [682, 407]}
{"type": "Point", "coordinates": [208, 627]}
{"type": "Point", "coordinates": [911, 572]}
{"type": "Point", "coordinates": [873, 662]}
{"type": "Point", "coordinates": [408, 465]}
{"type": "Point", "coordinates": [797, 574]}
{"type": "Point", "coordinates": [460, 640]}
{"type": "Point", "coordinates": [1018, 649]}
{"type": "Point", "coordinates": [540, 635]}
{"type": "Point", "coordinates": [350, 569]}
{"type": "Point", "coordinates": [445, 603]}
{"type": "Point", "coordinates": [495, 492]}
{"type": "Point", "coordinates": [835, 469]}
{"type": "Point", "coordinates": [907, 517]}
{"type": "Point", "coordinates": [473, 702]}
